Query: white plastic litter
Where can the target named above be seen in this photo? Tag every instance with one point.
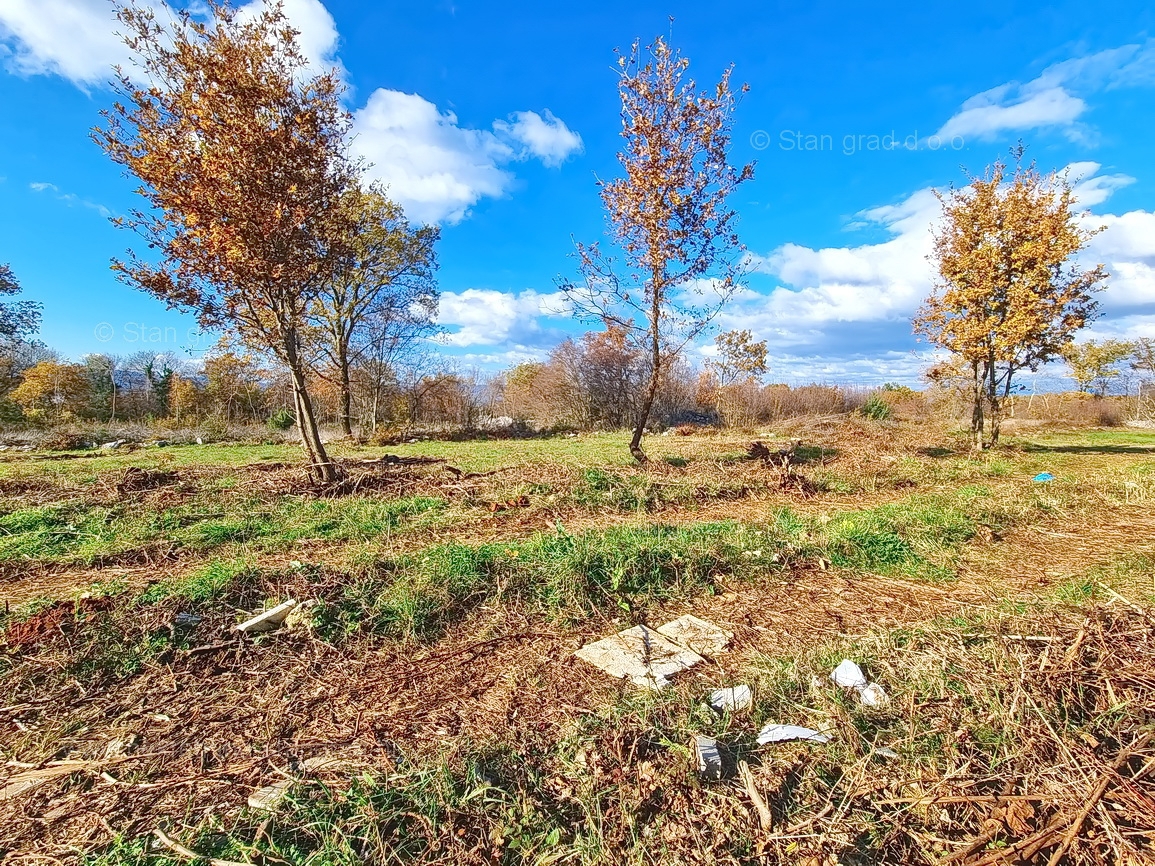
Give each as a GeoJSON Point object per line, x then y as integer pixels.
{"type": "Point", "coordinates": [848, 675]}
{"type": "Point", "coordinates": [785, 733]}
{"type": "Point", "coordinates": [709, 758]}
{"type": "Point", "coordinates": [886, 752]}
{"type": "Point", "coordinates": [736, 699]}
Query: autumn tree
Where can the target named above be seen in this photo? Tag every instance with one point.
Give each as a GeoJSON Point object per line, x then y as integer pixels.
{"type": "Point", "coordinates": [241, 156]}
{"type": "Point", "coordinates": [383, 292]}
{"type": "Point", "coordinates": [54, 390]}
{"type": "Point", "coordinates": [739, 357]}
{"type": "Point", "coordinates": [233, 385]}
{"type": "Point", "coordinates": [667, 216]}
{"type": "Point", "coordinates": [1094, 365]}
{"type": "Point", "coordinates": [1009, 295]}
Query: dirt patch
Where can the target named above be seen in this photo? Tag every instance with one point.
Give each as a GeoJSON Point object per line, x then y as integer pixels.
{"type": "Point", "coordinates": [136, 479]}
{"type": "Point", "coordinates": [54, 623]}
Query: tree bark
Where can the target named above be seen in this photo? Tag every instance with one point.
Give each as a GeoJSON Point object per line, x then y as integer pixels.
{"type": "Point", "coordinates": [655, 369]}
{"type": "Point", "coordinates": [321, 468]}
{"type": "Point", "coordinates": [346, 408]}
{"type": "Point", "coordinates": [977, 410]}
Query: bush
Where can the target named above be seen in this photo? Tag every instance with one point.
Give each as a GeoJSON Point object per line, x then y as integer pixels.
{"type": "Point", "coordinates": [282, 419]}
{"type": "Point", "coordinates": [876, 408]}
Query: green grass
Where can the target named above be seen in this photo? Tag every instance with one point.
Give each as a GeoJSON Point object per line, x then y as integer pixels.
{"type": "Point", "coordinates": [78, 532]}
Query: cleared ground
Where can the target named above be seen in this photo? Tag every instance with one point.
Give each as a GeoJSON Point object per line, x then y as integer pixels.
{"type": "Point", "coordinates": [1009, 619]}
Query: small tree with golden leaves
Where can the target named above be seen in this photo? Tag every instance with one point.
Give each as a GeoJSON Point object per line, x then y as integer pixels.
{"type": "Point", "coordinates": [668, 216]}
{"type": "Point", "coordinates": [1094, 364]}
{"type": "Point", "coordinates": [241, 156]}
{"type": "Point", "coordinates": [1009, 295]}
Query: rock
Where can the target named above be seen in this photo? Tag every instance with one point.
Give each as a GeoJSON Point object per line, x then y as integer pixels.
{"type": "Point", "coordinates": [709, 757]}
{"type": "Point", "coordinates": [702, 637]}
{"type": "Point", "coordinates": [736, 699]}
{"type": "Point", "coordinates": [111, 446]}
{"type": "Point", "coordinates": [786, 733]}
{"type": "Point", "coordinates": [886, 752]}
{"type": "Point", "coordinates": [873, 695]}
{"type": "Point", "coordinates": [269, 798]}
{"type": "Point", "coordinates": [269, 619]}
{"type": "Point", "coordinates": [641, 655]}
{"type": "Point", "coordinates": [187, 620]}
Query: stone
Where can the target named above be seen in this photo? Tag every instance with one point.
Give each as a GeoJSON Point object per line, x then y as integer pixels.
{"type": "Point", "coordinates": [702, 637]}
{"type": "Point", "coordinates": [641, 655]}
{"type": "Point", "coordinates": [269, 619]}
{"type": "Point", "coordinates": [874, 695]}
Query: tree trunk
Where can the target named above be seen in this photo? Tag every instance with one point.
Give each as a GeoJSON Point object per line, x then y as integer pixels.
{"type": "Point", "coordinates": [996, 402]}
{"type": "Point", "coordinates": [977, 410]}
{"type": "Point", "coordinates": [321, 468]}
{"type": "Point", "coordinates": [346, 408]}
{"type": "Point", "coordinates": [655, 368]}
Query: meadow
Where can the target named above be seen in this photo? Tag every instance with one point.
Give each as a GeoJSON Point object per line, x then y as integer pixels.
{"type": "Point", "coordinates": [427, 707]}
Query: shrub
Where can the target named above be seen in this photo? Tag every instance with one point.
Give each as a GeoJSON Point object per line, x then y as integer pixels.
{"type": "Point", "coordinates": [876, 408]}
{"type": "Point", "coordinates": [282, 419]}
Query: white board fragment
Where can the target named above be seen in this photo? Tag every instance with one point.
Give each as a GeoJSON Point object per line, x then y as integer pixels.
{"type": "Point", "coordinates": [269, 619]}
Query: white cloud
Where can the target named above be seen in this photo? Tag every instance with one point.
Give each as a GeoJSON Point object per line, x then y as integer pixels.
{"type": "Point", "coordinates": [1092, 188]}
{"type": "Point", "coordinates": [69, 198]}
{"type": "Point", "coordinates": [438, 169]}
{"type": "Point", "coordinates": [77, 39]}
{"type": "Point", "coordinates": [1053, 98]}
{"type": "Point", "coordinates": [836, 300]}
{"type": "Point", "coordinates": [434, 167]}
{"type": "Point", "coordinates": [1009, 107]}
{"type": "Point", "coordinates": [547, 138]}
{"type": "Point", "coordinates": [487, 317]}
{"type": "Point", "coordinates": [865, 283]}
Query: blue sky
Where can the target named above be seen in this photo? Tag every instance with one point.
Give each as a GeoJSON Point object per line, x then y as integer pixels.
{"type": "Point", "coordinates": [493, 119]}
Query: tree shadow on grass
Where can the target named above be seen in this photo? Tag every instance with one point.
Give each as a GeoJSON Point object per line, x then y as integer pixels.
{"type": "Point", "coordinates": [1088, 449]}
{"type": "Point", "coordinates": [936, 451]}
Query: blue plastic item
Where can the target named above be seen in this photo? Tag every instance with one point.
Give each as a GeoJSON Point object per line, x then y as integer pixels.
{"type": "Point", "coordinates": [1044, 476]}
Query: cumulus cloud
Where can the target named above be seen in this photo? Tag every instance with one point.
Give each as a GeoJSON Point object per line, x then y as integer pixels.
{"type": "Point", "coordinates": [545, 137]}
{"type": "Point", "coordinates": [1053, 98]}
{"type": "Point", "coordinates": [437, 168]}
{"type": "Point", "coordinates": [855, 302]}
{"type": "Point", "coordinates": [487, 317]}
{"type": "Point", "coordinates": [77, 39]}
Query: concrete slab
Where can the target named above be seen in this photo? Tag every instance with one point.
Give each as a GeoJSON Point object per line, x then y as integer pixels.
{"type": "Point", "coordinates": [702, 637]}
{"type": "Point", "coordinates": [641, 655]}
